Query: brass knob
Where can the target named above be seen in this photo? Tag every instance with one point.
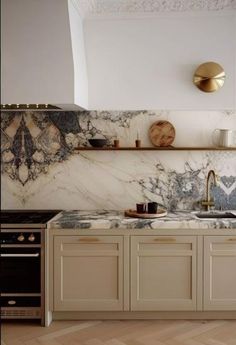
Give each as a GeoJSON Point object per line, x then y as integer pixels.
{"type": "Point", "coordinates": [21, 238]}
{"type": "Point", "coordinates": [11, 302]}
{"type": "Point", "coordinates": [31, 238]}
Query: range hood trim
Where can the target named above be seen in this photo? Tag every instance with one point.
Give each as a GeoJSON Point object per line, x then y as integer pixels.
{"type": "Point", "coordinates": [41, 107]}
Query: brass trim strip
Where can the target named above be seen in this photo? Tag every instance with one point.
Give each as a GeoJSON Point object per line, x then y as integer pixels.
{"type": "Point", "coordinates": [28, 107]}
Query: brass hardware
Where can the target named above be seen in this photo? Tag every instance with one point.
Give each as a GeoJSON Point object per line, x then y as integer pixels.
{"type": "Point", "coordinates": [209, 77]}
{"type": "Point", "coordinates": [31, 238]}
{"type": "Point", "coordinates": [11, 302]}
{"type": "Point", "coordinates": [36, 255]}
{"type": "Point", "coordinates": [209, 202]}
{"type": "Point", "coordinates": [165, 239]}
{"type": "Point", "coordinates": [89, 239]}
{"type": "Point", "coordinates": [21, 238]}
{"type": "Point", "coordinates": [29, 106]}
{"type": "Point", "coordinates": [231, 240]}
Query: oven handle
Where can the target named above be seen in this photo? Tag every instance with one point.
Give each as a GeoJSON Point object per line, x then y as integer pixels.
{"type": "Point", "coordinates": [20, 255]}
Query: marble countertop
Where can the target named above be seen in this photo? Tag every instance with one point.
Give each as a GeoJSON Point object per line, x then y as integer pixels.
{"type": "Point", "coordinates": [103, 219]}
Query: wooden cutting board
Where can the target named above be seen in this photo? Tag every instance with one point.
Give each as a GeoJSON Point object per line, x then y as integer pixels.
{"type": "Point", "coordinates": [162, 133]}
{"type": "Point", "coordinates": [132, 213]}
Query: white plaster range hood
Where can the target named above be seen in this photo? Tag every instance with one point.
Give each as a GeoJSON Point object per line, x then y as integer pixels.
{"type": "Point", "coordinates": [43, 60]}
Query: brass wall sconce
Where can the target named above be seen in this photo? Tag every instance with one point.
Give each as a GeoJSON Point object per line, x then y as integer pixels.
{"type": "Point", "coordinates": [209, 77]}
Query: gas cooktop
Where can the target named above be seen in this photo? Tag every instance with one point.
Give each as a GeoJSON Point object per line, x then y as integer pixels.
{"type": "Point", "coordinates": [27, 217]}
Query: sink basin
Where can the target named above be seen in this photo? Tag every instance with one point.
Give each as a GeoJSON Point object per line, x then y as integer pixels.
{"type": "Point", "coordinates": [207, 215]}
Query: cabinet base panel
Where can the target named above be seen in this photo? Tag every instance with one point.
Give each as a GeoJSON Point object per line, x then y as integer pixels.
{"type": "Point", "coordinates": [207, 315]}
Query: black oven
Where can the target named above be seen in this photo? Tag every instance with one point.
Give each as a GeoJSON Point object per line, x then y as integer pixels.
{"type": "Point", "coordinates": [22, 272]}
{"type": "Point", "coordinates": [20, 268]}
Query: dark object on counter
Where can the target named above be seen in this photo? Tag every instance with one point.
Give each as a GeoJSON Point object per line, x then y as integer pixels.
{"type": "Point", "coordinates": [116, 143]}
{"type": "Point", "coordinates": [98, 142]}
{"type": "Point", "coordinates": [137, 143]}
{"type": "Point", "coordinates": [132, 213]}
{"type": "Point", "coordinates": [152, 207]}
{"type": "Point", "coordinates": [27, 217]}
{"type": "Point", "coordinates": [141, 208]}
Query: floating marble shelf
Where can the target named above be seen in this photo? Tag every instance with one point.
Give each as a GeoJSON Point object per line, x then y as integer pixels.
{"type": "Point", "coordinates": [169, 148]}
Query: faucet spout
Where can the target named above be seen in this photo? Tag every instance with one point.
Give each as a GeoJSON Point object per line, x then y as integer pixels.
{"type": "Point", "coordinates": [211, 179]}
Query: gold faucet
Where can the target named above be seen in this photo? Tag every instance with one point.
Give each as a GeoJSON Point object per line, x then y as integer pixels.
{"type": "Point", "coordinates": [209, 202]}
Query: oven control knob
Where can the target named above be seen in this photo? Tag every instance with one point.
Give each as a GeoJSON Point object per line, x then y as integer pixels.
{"type": "Point", "coordinates": [11, 302]}
{"type": "Point", "coordinates": [31, 238]}
{"type": "Point", "coordinates": [21, 238]}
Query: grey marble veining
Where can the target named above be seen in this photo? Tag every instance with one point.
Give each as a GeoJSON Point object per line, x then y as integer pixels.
{"type": "Point", "coordinates": [39, 168]}
{"type": "Point", "coordinates": [32, 141]}
{"type": "Point", "coordinates": [102, 219]}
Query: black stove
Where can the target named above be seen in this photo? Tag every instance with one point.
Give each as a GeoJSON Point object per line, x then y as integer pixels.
{"type": "Point", "coordinates": [22, 265]}
{"type": "Point", "coordinates": [27, 217]}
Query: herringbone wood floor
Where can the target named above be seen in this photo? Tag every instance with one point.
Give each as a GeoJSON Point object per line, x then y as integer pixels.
{"type": "Point", "coordinates": [151, 332]}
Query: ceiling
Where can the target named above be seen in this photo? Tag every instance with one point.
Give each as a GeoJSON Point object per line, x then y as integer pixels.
{"type": "Point", "coordinates": [108, 7]}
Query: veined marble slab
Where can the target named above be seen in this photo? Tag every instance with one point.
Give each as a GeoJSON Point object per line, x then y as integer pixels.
{"type": "Point", "coordinates": [39, 168]}
{"type": "Point", "coordinates": [102, 219]}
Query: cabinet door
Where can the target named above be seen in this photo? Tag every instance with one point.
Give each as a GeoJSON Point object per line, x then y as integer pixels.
{"type": "Point", "coordinates": [88, 273]}
{"type": "Point", "coordinates": [163, 273]}
{"type": "Point", "coordinates": [220, 273]}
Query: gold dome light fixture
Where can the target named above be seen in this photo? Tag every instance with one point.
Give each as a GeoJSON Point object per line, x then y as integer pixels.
{"type": "Point", "coordinates": [209, 77]}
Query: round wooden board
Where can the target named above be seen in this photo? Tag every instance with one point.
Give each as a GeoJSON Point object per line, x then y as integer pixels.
{"type": "Point", "coordinates": [132, 213]}
{"type": "Point", "coordinates": [162, 133]}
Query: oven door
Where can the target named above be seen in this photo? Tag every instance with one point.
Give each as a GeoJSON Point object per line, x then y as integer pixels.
{"type": "Point", "coordinates": [20, 270]}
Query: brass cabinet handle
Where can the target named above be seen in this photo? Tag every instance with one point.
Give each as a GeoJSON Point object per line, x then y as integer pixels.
{"type": "Point", "coordinates": [88, 239]}
{"type": "Point", "coordinates": [232, 239]}
{"type": "Point", "coordinates": [165, 239]}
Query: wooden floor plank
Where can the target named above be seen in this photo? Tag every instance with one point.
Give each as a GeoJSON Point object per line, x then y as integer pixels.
{"type": "Point", "coordinates": [123, 332]}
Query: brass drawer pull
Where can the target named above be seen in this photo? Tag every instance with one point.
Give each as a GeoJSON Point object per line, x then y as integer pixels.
{"type": "Point", "coordinates": [88, 239]}
{"type": "Point", "coordinates": [165, 239]}
{"type": "Point", "coordinates": [231, 240]}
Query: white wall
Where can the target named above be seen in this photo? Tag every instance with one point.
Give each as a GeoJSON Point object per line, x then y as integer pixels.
{"type": "Point", "coordinates": [148, 63]}
{"type": "Point", "coordinates": [80, 67]}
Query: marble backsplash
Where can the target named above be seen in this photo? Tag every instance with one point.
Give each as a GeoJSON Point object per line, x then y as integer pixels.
{"type": "Point", "coordinates": [40, 170]}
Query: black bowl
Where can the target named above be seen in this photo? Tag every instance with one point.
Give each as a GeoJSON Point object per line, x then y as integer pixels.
{"type": "Point", "coordinates": [98, 142]}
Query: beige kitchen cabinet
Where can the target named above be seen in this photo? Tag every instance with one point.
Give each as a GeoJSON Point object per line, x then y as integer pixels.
{"type": "Point", "coordinates": [88, 273]}
{"type": "Point", "coordinates": [163, 273]}
{"type": "Point", "coordinates": [220, 273]}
